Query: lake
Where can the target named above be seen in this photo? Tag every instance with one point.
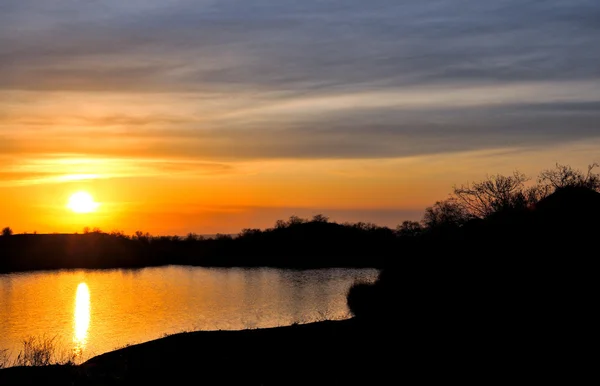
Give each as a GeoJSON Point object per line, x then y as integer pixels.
{"type": "Point", "coordinates": [94, 311]}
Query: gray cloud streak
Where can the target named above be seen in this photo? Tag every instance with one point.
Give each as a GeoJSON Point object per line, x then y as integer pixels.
{"type": "Point", "coordinates": [311, 48]}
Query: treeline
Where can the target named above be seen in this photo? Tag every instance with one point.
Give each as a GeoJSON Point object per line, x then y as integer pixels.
{"type": "Point", "coordinates": [501, 211]}
{"type": "Point", "coordinates": [297, 243]}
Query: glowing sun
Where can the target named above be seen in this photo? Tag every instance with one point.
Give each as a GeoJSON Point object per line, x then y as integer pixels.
{"type": "Point", "coordinates": [82, 202]}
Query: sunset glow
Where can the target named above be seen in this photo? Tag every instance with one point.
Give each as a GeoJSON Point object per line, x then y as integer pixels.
{"type": "Point", "coordinates": [81, 317]}
{"type": "Point", "coordinates": [82, 202]}
{"type": "Point", "coordinates": [370, 114]}
{"type": "Point", "coordinates": [208, 190]}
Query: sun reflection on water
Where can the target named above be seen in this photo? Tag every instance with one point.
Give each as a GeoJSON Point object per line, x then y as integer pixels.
{"type": "Point", "coordinates": [81, 317]}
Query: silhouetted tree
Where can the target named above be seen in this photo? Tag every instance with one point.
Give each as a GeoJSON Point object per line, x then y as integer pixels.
{"type": "Point", "coordinates": [365, 226]}
{"type": "Point", "coordinates": [320, 218]}
{"type": "Point", "coordinates": [295, 220]}
{"type": "Point", "coordinates": [280, 224]}
{"type": "Point", "coordinates": [496, 193]}
{"type": "Point", "coordinates": [448, 213]}
{"type": "Point", "coordinates": [141, 236]}
{"type": "Point", "coordinates": [409, 229]}
{"type": "Point", "coordinates": [564, 176]}
{"type": "Point", "coordinates": [250, 232]}
{"type": "Point", "coordinates": [7, 231]}
{"type": "Point", "coordinates": [118, 233]}
{"type": "Point", "coordinates": [535, 193]}
{"type": "Point", "coordinates": [192, 237]}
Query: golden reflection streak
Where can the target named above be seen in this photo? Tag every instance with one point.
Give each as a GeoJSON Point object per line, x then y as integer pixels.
{"type": "Point", "coordinates": [81, 317]}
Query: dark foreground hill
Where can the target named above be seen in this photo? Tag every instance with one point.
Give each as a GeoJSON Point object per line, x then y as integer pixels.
{"type": "Point", "coordinates": [518, 288]}
{"type": "Point", "coordinates": [315, 354]}
{"type": "Point", "coordinates": [402, 350]}
{"type": "Point", "coordinates": [545, 254]}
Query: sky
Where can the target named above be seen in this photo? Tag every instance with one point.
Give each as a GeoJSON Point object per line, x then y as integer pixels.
{"type": "Point", "coordinates": [210, 116]}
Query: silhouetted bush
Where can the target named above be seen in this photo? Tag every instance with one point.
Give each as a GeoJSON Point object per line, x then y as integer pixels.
{"type": "Point", "coordinates": [365, 301]}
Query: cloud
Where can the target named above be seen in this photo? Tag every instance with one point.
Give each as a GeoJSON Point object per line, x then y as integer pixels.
{"type": "Point", "coordinates": [236, 80]}
{"type": "Point", "coordinates": [60, 168]}
{"type": "Point", "coordinates": [280, 45]}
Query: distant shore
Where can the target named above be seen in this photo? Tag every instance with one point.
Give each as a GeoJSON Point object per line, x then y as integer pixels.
{"type": "Point", "coordinates": [298, 245]}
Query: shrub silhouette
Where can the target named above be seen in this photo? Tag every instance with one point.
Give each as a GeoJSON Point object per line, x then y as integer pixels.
{"type": "Point", "coordinates": [364, 300]}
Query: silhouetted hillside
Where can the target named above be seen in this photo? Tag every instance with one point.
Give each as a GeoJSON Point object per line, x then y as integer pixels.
{"type": "Point", "coordinates": [571, 208]}
{"type": "Point", "coordinates": [522, 278]}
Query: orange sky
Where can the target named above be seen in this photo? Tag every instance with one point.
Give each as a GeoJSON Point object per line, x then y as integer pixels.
{"type": "Point", "coordinates": [176, 196]}
{"type": "Point", "coordinates": [203, 116]}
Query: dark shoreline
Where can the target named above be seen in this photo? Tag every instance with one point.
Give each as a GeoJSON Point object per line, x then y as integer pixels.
{"type": "Point", "coordinates": [55, 270]}
{"type": "Point", "coordinates": [302, 245]}
{"type": "Point", "coordinates": [328, 352]}
{"type": "Point", "coordinates": [348, 352]}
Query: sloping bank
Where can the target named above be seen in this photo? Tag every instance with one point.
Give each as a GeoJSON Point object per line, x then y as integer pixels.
{"type": "Point", "coordinates": [331, 352]}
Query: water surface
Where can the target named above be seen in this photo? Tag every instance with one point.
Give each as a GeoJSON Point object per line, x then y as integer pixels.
{"type": "Point", "coordinates": [94, 311]}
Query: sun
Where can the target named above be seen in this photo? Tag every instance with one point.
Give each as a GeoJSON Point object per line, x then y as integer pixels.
{"type": "Point", "coordinates": [82, 202]}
